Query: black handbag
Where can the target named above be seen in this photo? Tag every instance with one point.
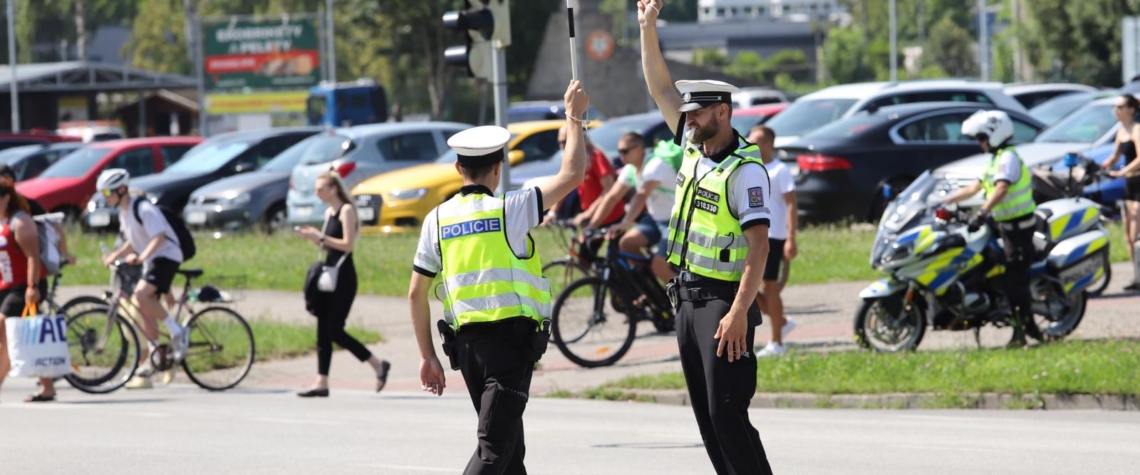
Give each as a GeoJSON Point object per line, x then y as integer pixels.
{"type": "Point", "coordinates": [312, 294]}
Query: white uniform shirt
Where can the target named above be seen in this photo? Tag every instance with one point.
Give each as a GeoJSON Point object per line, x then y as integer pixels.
{"type": "Point", "coordinates": [1009, 168]}
{"type": "Point", "coordinates": [749, 190]}
{"type": "Point", "coordinates": [522, 211]}
{"type": "Point", "coordinates": [782, 183]}
{"type": "Point", "coordinates": [661, 199]}
{"type": "Point", "coordinates": [139, 234]}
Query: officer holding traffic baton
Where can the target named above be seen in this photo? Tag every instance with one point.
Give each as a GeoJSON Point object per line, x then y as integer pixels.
{"type": "Point", "coordinates": [718, 236]}
{"type": "Point", "coordinates": [495, 301]}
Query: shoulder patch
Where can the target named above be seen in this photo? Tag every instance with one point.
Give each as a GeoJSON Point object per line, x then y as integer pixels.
{"type": "Point", "coordinates": [680, 179]}
{"type": "Point", "coordinates": [756, 197]}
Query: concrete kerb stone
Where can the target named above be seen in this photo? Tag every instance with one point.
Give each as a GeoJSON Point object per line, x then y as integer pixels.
{"type": "Point", "coordinates": [987, 401]}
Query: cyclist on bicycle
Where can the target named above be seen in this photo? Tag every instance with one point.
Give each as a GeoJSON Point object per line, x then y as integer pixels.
{"type": "Point", "coordinates": [147, 242]}
{"type": "Point", "coordinates": [654, 179]}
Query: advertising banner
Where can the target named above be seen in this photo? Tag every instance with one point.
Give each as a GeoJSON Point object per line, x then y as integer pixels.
{"type": "Point", "coordinates": [269, 54]}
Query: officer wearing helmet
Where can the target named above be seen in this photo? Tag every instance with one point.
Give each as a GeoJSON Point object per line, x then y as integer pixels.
{"type": "Point", "coordinates": [1009, 202]}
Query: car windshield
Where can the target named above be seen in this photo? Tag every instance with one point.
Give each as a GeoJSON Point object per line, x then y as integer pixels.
{"type": "Point", "coordinates": [1053, 110]}
{"type": "Point", "coordinates": [606, 136]}
{"type": "Point", "coordinates": [207, 157]}
{"type": "Point", "coordinates": [14, 154]}
{"type": "Point", "coordinates": [848, 127]}
{"type": "Point", "coordinates": [285, 161]}
{"type": "Point", "coordinates": [1085, 125]}
{"type": "Point", "coordinates": [325, 148]}
{"type": "Point", "coordinates": [805, 116]}
{"type": "Point", "coordinates": [76, 164]}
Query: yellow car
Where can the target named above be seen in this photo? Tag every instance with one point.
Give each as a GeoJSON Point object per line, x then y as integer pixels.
{"type": "Point", "coordinates": [397, 201]}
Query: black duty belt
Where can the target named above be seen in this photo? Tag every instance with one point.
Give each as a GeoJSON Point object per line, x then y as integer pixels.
{"type": "Point", "coordinates": [510, 326]}
{"type": "Point", "coordinates": [691, 287]}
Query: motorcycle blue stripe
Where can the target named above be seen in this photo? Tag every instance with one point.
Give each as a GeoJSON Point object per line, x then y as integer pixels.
{"type": "Point", "coordinates": [1077, 253]}
{"type": "Point", "coordinates": [1074, 222]}
{"type": "Point", "coordinates": [942, 279]}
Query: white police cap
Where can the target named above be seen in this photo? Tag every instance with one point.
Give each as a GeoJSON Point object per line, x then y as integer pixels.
{"type": "Point", "coordinates": [697, 95]}
{"type": "Point", "coordinates": [480, 146]}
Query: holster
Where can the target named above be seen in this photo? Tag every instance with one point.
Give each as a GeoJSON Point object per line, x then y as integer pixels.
{"type": "Point", "coordinates": [534, 342]}
{"type": "Point", "coordinates": [448, 335]}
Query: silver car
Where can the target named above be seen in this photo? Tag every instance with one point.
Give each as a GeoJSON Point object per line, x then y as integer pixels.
{"type": "Point", "coordinates": [359, 153]}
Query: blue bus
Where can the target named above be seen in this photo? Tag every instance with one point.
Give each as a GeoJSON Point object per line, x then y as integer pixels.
{"type": "Point", "coordinates": [346, 104]}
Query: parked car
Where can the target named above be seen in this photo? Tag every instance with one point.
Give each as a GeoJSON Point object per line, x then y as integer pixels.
{"type": "Point", "coordinates": [651, 126]}
{"type": "Point", "coordinates": [218, 157]}
{"type": "Point", "coordinates": [530, 111]}
{"type": "Point", "coordinates": [1054, 109]}
{"type": "Point", "coordinates": [36, 137]}
{"type": "Point", "coordinates": [1090, 126]}
{"type": "Point", "coordinates": [29, 161]}
{"type": "Point", "coordinates": [67, 185]}
{"type": "Point", "coordinates": [755, 96]}
{"type": "Point", "coordinates": [399, 200]}
{"type": "Point", "coordinates": [359, 153]}
{"type": "Point", "coordinates": [851, 167]}
{"type": "Point", "coordinates": [249, 199]}
{"type": "Point", "coordinates": [1032, 95]}
{"type": "Point", "coordinates": [744, 119]}
{"type": "Point", "coordinates": [820, 108]}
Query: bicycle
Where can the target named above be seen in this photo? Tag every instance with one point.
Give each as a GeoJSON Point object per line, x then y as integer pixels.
{"type": "Point", "coordinates": [579, 316]}
{"type": "Point", "coordinates": [105, 347]}
{"type": "Point", "coordinates": [579, 261]}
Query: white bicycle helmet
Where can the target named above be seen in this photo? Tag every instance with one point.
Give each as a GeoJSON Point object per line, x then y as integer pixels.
{"type": "Point", "coordinates": [995, 125]}
{"type": "Point", "coordinates": [112, 179]}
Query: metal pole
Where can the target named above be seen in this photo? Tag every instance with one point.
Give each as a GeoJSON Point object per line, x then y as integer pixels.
{"type": "Point", "coordinates": [983, 41]}
{"type": "Point", "coordinates": [499, 82]}
{"type": "Point", "coordinates": [142, 112]}
{"type": "Point", "coordinates": [1015, 16]}
{"type": "Point", "coordinates": [200, 67]}
{"type": "Point", "coordinates": [331, 41]}
{"type": "Point", "coordinates": [12, 88]}
{"type": "Point", "coordinates": [894, 45]}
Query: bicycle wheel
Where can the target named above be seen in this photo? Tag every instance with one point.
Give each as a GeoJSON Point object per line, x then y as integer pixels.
{"type": "Point", "coordinates": [563, 272]}
{"type": "Point", "coordinates": [586, 328]}
{"type": "Point", "coordinates": [104, 350]}
{"type": "Point", "coordinates": [81, 304]}
{"type": "Point", "coordinates": [221, 349]}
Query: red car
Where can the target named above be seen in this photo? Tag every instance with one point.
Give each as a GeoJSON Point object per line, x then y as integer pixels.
{"type": "Point", "coordinates": [69, 183]}
{"type": "Point", "coordinates": [34, 137]}
{"type": "Point", "coordinates": [744, 119]}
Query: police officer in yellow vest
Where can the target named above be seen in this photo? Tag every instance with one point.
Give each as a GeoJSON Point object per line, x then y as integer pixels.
{"type": "Point", "coordinates": [496, 303]}
{"type": "Point", "coordinates": [1009, 202]}
{"type": "Point", "coordinates": [718, 236]}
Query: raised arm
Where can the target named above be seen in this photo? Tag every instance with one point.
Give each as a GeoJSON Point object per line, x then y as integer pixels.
{"type": "Point", "coordinates": [657, 76]}
{"type": "Point", "coordinates": [574, 156]}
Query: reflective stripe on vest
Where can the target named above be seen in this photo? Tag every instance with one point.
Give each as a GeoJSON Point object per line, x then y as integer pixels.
{"type": "Point", "coordinates": [704, 237]}
{"type": "Point", "coordinates": [482, 278]}
{"type": "Point", "coordinates": [1018, 200]}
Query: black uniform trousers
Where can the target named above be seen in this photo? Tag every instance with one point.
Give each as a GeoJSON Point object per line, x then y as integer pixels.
{"type": "Point", "coordinates": [1018, 236]}
{"type": "Point", "coordinates": [497, 371]}
{"type": "Point", "coordinates": [720, 391]}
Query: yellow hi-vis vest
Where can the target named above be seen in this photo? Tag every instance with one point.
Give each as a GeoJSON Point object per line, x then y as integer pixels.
{"type": "Point", "coordinates": [704, 237]}
{"type": "Point", "coordinates": [1018, 200]}
{"type": "Point", "coordinates": [482, 279]}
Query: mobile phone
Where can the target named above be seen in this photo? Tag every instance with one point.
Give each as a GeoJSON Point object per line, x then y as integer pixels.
{"type": "Point", "coordinates": [297, 228]}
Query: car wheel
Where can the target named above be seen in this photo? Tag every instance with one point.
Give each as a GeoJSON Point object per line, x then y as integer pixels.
{"type": "Point", "coordinates": [276, 219]}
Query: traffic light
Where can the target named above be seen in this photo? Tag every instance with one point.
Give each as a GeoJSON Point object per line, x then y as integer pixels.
{"type": "Point", "coordinates": [487, 25]}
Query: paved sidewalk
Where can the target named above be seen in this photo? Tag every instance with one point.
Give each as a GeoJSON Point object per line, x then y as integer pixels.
{"type": "Point", "coordinates": [824, 313]}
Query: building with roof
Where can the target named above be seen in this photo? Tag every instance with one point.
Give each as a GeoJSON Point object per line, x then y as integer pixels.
{"type": "Point", "coordinates": [793, 10]}
{"type": "Point", "coordinates": [764, 37]}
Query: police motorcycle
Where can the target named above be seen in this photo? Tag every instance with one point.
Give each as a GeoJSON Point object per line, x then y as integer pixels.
{"type": "Point", "coordinates": [941, 274]}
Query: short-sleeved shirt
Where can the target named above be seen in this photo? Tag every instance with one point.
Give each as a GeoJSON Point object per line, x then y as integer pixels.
{"type": "Point", "coordinates": [1009, 168]}
{"type": "Point", "coordinates": [749, 189]}
{"type": "Point", "coordinates": [591, 188]}
{"type": "Point", "coordinates": [661, 198]}
{"type": "Point", "coordinates": [153, 223]}
{"type": "Point", "coordinates": [522, 211]}
{"type": "Point", "coordinates": [782, 184]}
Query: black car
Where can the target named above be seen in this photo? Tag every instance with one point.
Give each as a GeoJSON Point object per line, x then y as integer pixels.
{"type": "Point", "coordinates": [28, 161]}
{"type": "Point", "coordinates": [219, 157]}
{"type": "Point", "coordinates": [853, 167]}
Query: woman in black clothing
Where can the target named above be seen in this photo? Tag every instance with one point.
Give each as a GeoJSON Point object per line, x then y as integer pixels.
{"type": "Point", "coordinates": [1127, 138]}
{"type": "Point", "coordinates": [334, 306]}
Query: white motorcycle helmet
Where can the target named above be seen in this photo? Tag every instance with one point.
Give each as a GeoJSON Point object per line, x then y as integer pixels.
{"type": "Point", "coordinates": [995, 125]}
{"type": "Point", "coordinates": [112, 179]}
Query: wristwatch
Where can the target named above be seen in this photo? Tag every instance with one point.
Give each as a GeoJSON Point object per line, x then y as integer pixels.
{"type": "Point", "coordinates": [321, 240]}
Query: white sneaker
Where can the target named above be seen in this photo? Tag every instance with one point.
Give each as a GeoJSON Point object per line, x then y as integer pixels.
{"type": "Point", "coordinates": [789, 325]}
{"type": "Point", "coordinates": [772, 349]}
{"type": "Point", "coordinates": [180, 343]}
{"type": "Point", "coordinates": [139, 382]}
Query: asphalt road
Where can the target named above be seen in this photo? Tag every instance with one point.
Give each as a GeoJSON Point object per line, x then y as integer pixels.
{"type": "Point", "coordinates": [183, 430]}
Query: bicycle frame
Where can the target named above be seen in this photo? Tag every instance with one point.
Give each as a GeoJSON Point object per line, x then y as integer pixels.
{"type": "Point", "coordinates": [120, 297]}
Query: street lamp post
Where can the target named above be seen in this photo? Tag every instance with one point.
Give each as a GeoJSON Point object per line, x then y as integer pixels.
{"type": "Point", "coordinates": [13, 93]}
{"type": "Point", "coordinates": [894, 44]}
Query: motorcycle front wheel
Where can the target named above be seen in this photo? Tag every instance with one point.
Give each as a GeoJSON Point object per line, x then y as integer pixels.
{"type": "Point", "coordinates": [889, 325]}
{"type": "Point", "coordinates": [1054, 328]}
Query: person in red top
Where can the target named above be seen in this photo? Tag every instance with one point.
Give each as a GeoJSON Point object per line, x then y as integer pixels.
{"type": "Point", "coordinates": [600, 176]}
{"type": "Point", "coordinates": [22, 278]}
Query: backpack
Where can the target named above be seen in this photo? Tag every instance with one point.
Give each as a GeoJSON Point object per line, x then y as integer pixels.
{"type": "Point", "coordinates": [182, 235]}
{"type": "Point", "coordinates": [49, 238]}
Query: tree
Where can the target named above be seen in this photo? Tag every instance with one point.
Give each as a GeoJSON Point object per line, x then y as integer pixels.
{"type": "Point", "coordinates": [746, 65]}
{"type": "Point", "coordinates": [952, 48]}
{"type": "Point", "coordinates": [710, 58]}
{"type": "Point", "coordinates": [1082, 37]}
{"type": "Point", "coordinates": [45, 20]}
{"type": "Point", "coordinates": [843, 55]}
{"type": "Point", "coordinates": [157, 35]}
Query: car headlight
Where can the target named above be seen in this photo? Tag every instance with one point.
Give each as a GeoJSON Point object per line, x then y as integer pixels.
{"type": "Point", "coordinates": [235, 199]}
{"type": "Point", "coordinates": [409, 194]}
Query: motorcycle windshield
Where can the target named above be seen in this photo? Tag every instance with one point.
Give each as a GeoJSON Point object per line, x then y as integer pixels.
{"type": "Point", "coordinates": [906, 211]}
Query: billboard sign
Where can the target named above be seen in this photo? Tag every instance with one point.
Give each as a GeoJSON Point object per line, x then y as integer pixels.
{"type": "Point", "coordinates": [268, 54]}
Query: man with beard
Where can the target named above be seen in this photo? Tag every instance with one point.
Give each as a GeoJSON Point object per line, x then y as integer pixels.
{"type": "Point", "coordinates": [718, 236]}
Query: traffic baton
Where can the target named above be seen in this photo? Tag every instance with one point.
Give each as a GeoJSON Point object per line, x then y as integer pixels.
{"type": "Point", "coordinates": [573, 46]}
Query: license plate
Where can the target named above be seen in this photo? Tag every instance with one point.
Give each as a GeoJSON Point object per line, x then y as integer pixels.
{"type": "Point", "coordinates": [365, 214]}
{"type": "Point", "coordinates": [196, 217]}
{"type": "Point", "coordinates": [98, 220]}
{"type": "Point", "coordinates": [304, 212]}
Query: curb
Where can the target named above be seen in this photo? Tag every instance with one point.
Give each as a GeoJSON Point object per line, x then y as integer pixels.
{"type": "Point", "coordinates": [990, 401]}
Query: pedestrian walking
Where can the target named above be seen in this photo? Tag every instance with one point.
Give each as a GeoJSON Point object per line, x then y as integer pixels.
{"type": "Point", "coordinates": [496, 303]}
{"type": "Point", "coordinates": [718, 236]}
{"type": "Point", "coordinates": [22, 276]}
{"type": "Point", "coordinates": [781, 240]}
{"type": "Point", "coordinates": [1127, 138]}
{"type": "Point", "coordinates": [338, 238]}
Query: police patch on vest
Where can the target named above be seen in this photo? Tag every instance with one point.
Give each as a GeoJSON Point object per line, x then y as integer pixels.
{"type": "Point", "coordinates": [708, 195]}
{"type": "Point", "coordinates": [756, 197]}
{"type": "Point", "coordinates": [680, 179]}
{"type": "Point", "coordinates": [468, 228]}
{"type": "Point", "coordinates": [705, 206]}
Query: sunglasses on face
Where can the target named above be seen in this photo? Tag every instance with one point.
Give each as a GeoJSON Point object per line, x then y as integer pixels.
{"type": "Point", "coordinates": [107, 193]}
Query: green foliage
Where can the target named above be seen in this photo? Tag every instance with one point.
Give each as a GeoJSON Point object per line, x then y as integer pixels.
{"type": "Point", "coordinates": [710, 58]}
{"type": "Point", "coordinates": [950, 47]}
{"type": "Point", "coordinates": [843, 55]}
{"type": "Point", "coordinates": [1077, 41]}
{"type": "Point", "coordinates": [749, 65]}
{"type": "Point", "coordinates": [158, 39]}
